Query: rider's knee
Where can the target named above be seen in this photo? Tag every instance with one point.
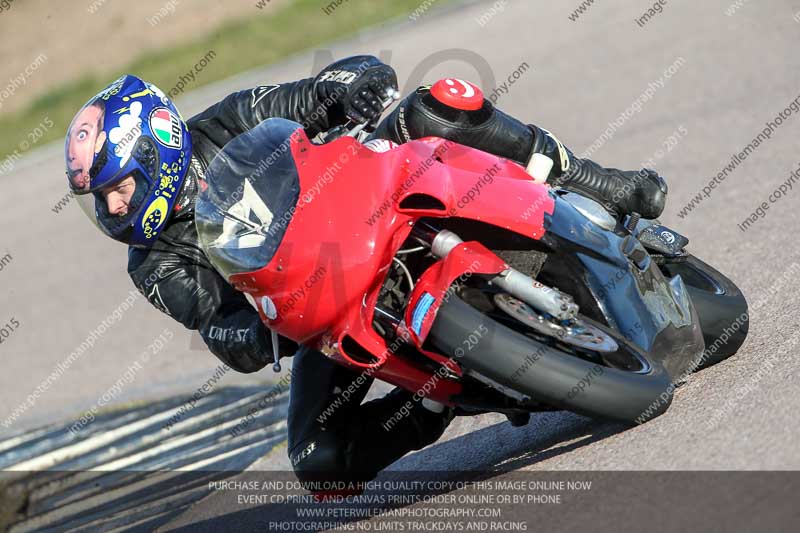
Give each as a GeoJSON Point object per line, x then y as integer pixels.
{"type": "Point", "coordinates": [325, 461]}
{"type": "Point", "coordinates": [487, 128]}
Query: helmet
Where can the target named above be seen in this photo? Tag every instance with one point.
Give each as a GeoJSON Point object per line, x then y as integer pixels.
{"type": "Point", "coordinates": [127, 152]}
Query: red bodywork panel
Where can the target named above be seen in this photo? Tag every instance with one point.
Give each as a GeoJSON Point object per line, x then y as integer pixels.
{"type": "Point", "coordinates": [348, 224]}
{"type": "Point", "coordinates": [462, 262]}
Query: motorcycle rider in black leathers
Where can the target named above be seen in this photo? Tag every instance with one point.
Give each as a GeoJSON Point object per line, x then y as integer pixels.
{"type": "Point", "coordinates": [172, 271]}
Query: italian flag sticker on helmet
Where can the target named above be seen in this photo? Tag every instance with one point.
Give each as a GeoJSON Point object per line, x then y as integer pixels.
{"type": "Point", "coordinates": [166, 127]}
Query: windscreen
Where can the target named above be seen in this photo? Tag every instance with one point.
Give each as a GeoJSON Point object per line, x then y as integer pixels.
{"type": "Point", "coordinates": [253, 188]}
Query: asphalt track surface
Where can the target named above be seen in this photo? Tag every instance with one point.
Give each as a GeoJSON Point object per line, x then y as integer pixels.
{"type": "Point", "coordinates": [731, 74]}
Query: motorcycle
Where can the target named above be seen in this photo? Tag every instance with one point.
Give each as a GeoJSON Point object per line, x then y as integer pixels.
{"type": "Point", "coordinates": [454, 274]}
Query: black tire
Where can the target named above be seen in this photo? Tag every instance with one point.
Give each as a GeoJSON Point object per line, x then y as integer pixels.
{"type": "Point", "coordinates": [720, 305]}
{"type": "Point", "coordinates": [552, 375]}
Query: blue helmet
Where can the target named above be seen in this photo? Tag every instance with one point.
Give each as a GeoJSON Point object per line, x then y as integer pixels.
{"type": "Point", "coordinates": [127, 152]}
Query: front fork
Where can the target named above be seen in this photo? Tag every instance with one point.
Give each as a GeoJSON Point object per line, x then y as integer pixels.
{"type": "Point", "coordinates": [539, 296]}
{"type": "Point", "coordinates": [460, 260]}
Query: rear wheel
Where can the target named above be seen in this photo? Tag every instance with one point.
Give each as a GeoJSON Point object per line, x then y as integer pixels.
{"type": "Point", "coordinates": [589, 370]}
{"type": "Point", "coordinates": [719, 303]}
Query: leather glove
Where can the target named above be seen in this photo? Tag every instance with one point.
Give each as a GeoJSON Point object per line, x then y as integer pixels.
{"type": "Point", "coordinates": [354, 88]}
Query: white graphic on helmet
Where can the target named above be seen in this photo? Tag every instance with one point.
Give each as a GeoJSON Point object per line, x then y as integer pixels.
{"type": "Point", "coordinates": [159, 93]}
{"type": "Point", "coordinates": [113, 89]}
{"type": "Point", "coordinates": [124, 136]}
{"type": "Point", "coordinates": [166, 128]}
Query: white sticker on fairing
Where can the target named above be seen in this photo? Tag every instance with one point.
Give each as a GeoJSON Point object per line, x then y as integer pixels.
{"type": "Point", "coordinates": [380, 145]}
{"type": "Point", "coordinates": [268, 306]}
{"type": "Point", "coordinates": [125, 135]}
{"type": "Point", "coordinates": [238, 229]}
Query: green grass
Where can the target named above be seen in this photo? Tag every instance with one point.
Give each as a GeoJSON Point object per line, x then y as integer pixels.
{"type": "Point", "coordinates": [261, 39]}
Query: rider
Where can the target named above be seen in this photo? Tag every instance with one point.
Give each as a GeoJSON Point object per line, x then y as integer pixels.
{"type": "Point", "coordinates": [136, 168]}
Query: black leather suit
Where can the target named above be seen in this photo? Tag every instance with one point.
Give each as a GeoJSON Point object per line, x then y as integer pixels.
{"type": "Point", "coordinates": [187, 288]}
{"type": "Point", "coordinates": [350, 443]}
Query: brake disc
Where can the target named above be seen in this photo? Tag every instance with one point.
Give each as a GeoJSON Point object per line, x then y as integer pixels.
{"type": "Point", "coordinates": [574, 332]}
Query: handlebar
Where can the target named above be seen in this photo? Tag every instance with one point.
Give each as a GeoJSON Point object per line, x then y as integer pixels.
{"type": "Point", "coordinates": [352, 128]}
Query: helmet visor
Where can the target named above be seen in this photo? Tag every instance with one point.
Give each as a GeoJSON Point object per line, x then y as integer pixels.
{"type": "Point", "coordinates": [114, 207]}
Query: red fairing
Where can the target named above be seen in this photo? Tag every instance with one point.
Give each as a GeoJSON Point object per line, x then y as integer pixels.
{"type": "Point", "coordinates": [431, 290]}
{"type": "Point", "coordinates": [356, 208]}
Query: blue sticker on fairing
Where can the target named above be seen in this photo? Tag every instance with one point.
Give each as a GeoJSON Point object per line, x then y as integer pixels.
{"type": "Point", "coordinates": [418, 316]}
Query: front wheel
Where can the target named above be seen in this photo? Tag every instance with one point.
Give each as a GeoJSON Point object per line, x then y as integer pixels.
{"type": "Point", "coordinates": [619, 383]}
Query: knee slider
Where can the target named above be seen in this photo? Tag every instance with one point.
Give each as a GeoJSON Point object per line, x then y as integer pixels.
{"type": "Point", "coordinates": [420, 114]}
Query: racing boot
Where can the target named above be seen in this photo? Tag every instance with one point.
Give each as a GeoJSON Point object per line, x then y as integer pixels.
{"type": "Point", "coordinates": [457, 110]}
{"type": "Point", "coordinates": [621, 192]}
